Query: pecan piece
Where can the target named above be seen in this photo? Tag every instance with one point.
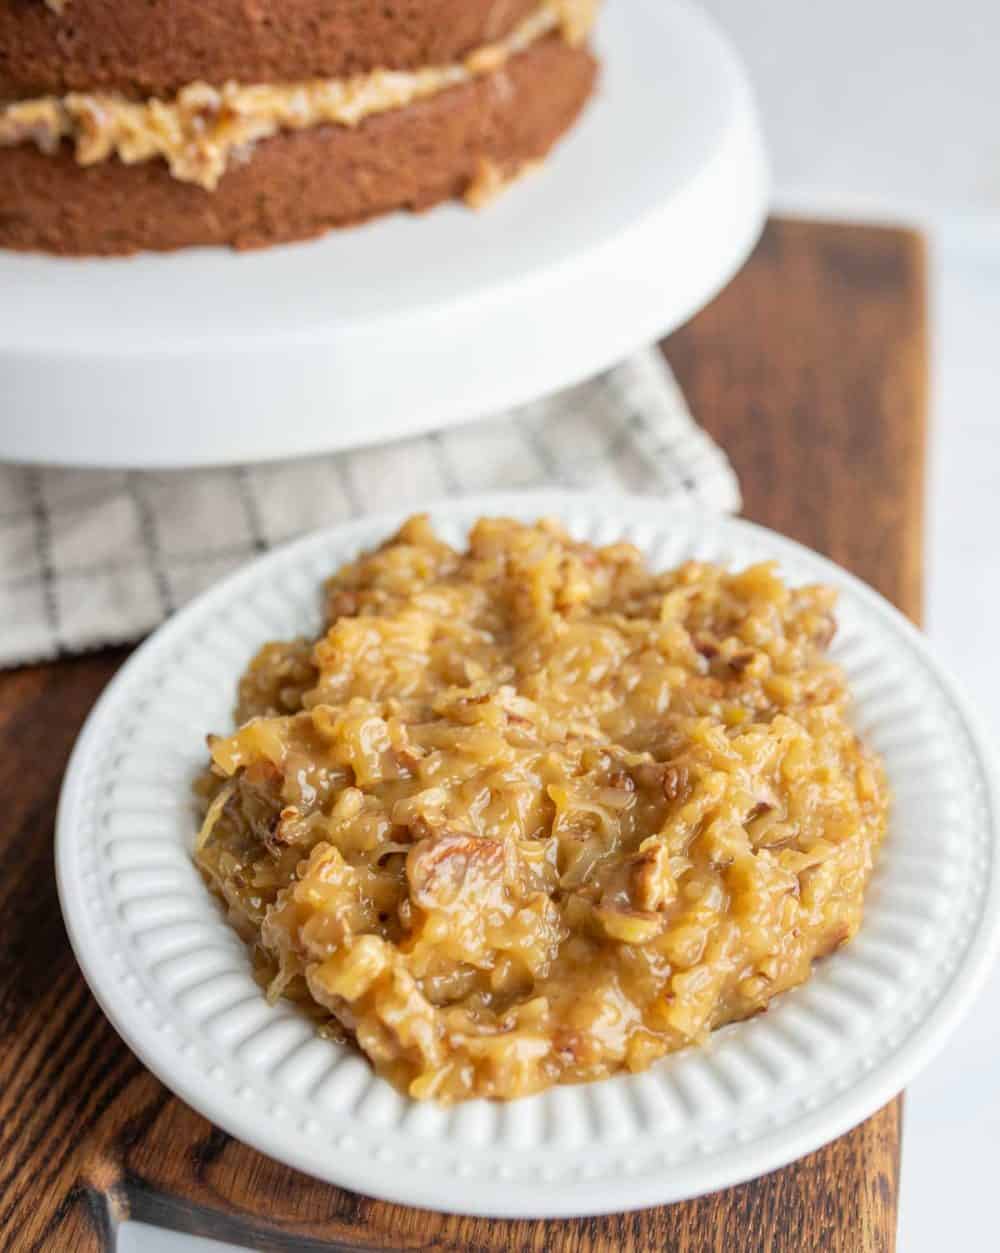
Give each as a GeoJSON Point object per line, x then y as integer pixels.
{"type": "Point", "coordinates": [445, 868]}
{"type": "Point", "coordinates": [708, 648]}
{"type": "Point", "coordinates": [622, 780]}
{"type": "Point", "coordinates": [675, 781]}
{"type": "Point", "coordinates": [652, 884]}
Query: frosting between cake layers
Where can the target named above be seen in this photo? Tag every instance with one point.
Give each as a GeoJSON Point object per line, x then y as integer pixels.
{"type": "Point", "coordinates": [203, 128]}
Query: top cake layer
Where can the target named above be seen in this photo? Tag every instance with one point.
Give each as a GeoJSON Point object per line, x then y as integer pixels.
{"type": "Point", "coordinates": [146, 48]}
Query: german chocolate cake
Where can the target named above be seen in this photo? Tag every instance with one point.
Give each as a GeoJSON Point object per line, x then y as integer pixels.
{"type": "Point", "coordinates": [158, 124]}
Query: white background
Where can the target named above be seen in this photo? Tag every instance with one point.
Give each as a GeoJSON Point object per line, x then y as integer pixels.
{"type": "Point", "coordinates": [890, 109]}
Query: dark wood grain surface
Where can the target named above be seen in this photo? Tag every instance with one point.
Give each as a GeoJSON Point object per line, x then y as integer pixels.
{"type": "Point", "coordinates": [810, 370]}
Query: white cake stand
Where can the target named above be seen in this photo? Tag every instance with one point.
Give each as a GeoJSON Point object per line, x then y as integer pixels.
{"type": "Point", "coordinates": [206, 356]}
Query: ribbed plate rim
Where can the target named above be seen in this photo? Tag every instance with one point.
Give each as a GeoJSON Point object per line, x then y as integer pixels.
{"type": "Point", "coordinates": [612, 1190]}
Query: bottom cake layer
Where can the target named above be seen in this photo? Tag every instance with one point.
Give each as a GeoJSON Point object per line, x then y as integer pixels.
{"type": "Point", "coordinates": [296, 185]}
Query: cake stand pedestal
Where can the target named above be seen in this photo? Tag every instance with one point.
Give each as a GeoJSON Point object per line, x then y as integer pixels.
{"type": "Point", "coordinates": [408, 323]}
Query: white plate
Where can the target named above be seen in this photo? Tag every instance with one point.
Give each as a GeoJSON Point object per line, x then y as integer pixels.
{"type": "Point", "coordinates": [205, 356]}
{"type": "Point", "coordinates": [175, 980]}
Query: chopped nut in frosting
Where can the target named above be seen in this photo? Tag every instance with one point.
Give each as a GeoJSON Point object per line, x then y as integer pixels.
{"type": "Point", "coordinates": [204, 127]}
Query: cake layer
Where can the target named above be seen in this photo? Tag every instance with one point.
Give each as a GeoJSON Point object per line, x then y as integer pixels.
{"type": "Point", "coordinates": [144, 47]}
{"type": "Point", "coordinates": [203, 128]}
{"type": "Point", "coordinates": [301, 183]}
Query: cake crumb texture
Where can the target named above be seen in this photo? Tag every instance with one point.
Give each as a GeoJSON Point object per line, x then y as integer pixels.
{"type": "Point", "coordinates": [300, 184]}
{"type": "Point", "coordinates": [141, 48]}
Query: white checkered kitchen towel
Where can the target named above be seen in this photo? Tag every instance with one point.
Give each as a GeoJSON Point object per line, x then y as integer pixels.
{"type": "Point", "coordinates": [91, 557]}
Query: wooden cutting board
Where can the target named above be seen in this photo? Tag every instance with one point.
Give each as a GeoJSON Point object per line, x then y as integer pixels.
{"type": "Point", "coordinates": [810, 370]}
